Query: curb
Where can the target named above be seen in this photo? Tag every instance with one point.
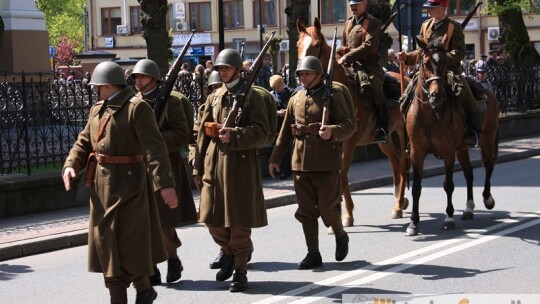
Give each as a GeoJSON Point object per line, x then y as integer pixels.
{"type": "Point", "coordinates": [80, 237]}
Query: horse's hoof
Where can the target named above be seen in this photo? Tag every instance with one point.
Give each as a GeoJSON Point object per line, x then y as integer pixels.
{"type": "Point", "coordinates": [412, 230]}
{"type": "Point", "coordinates": [489, 203]}
{"type": "Point", "coordinates": [449, 225]}
{"type": "Point", "coordinates": [405, 204]}
{"type": "Point", "coordinates": [467, 215]}
{"type": "Point", "coordinates": [329, 230]}
{"type": "Point", "coordinates": [397, 214]}
{"type": "Point", "coordinates": [347, 222]}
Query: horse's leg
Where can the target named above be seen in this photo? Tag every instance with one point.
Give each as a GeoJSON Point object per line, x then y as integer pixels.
{"type": "Point", "coordinates": [464, 160]}
{"type": "Point", "coordinates": [399, 170]}
{"type": "Point", "coordinates": [489, 148]}
{"type": "Point", "coordinates": [417, 161]}
{"type": "Point", "coordinates": [348, 153]}
{"type": "Point", "coordinates": [448, 185]}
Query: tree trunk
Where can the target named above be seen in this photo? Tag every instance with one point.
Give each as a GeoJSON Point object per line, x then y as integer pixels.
{"type": "Point", "coordinates": [515, 38]}
{"type": "Point", "coordinates": [297, 10]}
{"type": "Point", "coordinates": [153, 17]}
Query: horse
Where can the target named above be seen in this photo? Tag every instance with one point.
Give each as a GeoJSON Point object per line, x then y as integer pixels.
{"type": "Point", "coordinates": [311, 41]}
{"type": "Point", "coordinates": [436, 124]}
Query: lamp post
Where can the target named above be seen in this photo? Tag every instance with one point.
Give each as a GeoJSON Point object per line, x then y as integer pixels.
{"type": "Point", "coordinates": [85, 18]}
{"type": "Point", "coordinates": [261, 20]}
{"type": "Point", "coordinates": [261, 30]}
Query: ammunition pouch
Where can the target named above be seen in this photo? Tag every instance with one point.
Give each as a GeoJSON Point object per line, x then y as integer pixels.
{"type": "Point", "coordinates": [211, 129]}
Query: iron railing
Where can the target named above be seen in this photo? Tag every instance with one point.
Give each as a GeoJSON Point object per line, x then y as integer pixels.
{"type": "Point", "coordinates": [516, 87]}
{"type": "Point", "coordinates": [40, 118]}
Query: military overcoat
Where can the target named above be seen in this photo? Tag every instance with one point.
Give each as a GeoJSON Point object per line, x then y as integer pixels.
{"type": "Point", "coordinates": [175, 129]}
{"type": "Point", "coordinates": [124, 230]}
{"type": "Point", "coordinates": [363, 41]}
{"type": "Point", "coordinates": [232, 194]}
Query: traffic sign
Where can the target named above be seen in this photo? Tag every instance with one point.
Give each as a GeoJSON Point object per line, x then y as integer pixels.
{"type": "Point", "coordinates": [51, 50]}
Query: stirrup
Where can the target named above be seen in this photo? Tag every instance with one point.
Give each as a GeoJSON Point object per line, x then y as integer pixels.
{"type": "Point", "coordinates": [380, 138]}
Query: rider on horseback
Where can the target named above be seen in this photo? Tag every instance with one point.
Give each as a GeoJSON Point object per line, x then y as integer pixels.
{"type": "Point", "coordinates": [361, 37]}
{"type": "Point", "coordinates": [450, 32]}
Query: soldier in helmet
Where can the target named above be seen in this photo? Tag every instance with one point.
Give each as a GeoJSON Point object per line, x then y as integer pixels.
{"type": "Point", "coordinates": [126, 161]}
{"type": "Point", "coordinates": [175, 129]}
{"type": "Point", "coordinates": [228, 169]}
{"type": "Point", "coordinates": [316, 159]}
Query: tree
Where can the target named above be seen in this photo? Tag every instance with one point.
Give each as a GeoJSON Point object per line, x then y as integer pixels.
{"type": "Point", "coordinates": [64, 19]}
{"type": "Point", "coordinates": [1, 31]}
{"type": "Point", "coordinates": [65, 52]}
{"type": "Point", "coordinates": [297, 10]}
{"type": "Point", "coordinates": [514, 36]}
{"type": "Point", "coordinates": [158, 42]}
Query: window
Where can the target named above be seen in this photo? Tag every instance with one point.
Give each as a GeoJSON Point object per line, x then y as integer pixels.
{"type": "Point", "coordinates": [333, 11]}
{"type": "Point", "coordinates": [110, 18]}
{"type": "Point", "coordinates": [460, 7]}
{"type": "Point", "coordinates": [268, 12]}
{"type": "Point", "coordinates": [201, 16]}
{"type": "Point", "coordinates": [233, 17]}
{"type": "Point", "coordinates": [135, 19]}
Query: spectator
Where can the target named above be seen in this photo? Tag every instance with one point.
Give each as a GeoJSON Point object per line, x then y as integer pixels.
{"type": "Point", "coordinates": [263, 76]}
{"type": "Point", "coordinates": [492, 60]}
{"type": "Point", "coordinates": [184, 70]}
{"type": "Point", "coordinates": [393, 63]}
{"type": "Point", "coordinates": [481, 77]}
{"type": "Point", "coordinates": [281, 94]}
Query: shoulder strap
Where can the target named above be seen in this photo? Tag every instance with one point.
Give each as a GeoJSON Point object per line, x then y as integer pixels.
{"type": "Point", "coordinates": [365, 25]}
{"type": "Point", "coordinates": [448, 36]}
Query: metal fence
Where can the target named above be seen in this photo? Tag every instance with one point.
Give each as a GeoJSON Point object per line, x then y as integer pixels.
{"type": "Point", "coordinates": [40, 117]}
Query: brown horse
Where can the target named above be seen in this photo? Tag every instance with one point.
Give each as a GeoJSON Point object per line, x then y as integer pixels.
{"type": "Point", "coordinates": [435, 124]}
{"type": "Point", "coordinates": [311, 41]}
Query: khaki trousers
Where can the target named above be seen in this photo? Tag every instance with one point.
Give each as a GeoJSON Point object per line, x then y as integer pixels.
{"type": "Point", "coordinates": [235, 241]}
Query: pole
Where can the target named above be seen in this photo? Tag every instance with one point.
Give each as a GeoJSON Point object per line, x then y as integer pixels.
{"type": "Point", "coordinates": [220, 26]}
{"type": "Point", "coordinates": [85, 18]}
{"type": "Point", "coordinates": [261, 3]}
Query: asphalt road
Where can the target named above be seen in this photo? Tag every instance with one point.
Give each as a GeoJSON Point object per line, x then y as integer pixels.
{"type": "Point", "coordinates": [496, 253]}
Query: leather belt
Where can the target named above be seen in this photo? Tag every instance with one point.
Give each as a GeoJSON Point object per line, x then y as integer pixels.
{"type": "Point", "coordinates": [300, 130]}
{"type": "Point", "coordinates": [124, 159]}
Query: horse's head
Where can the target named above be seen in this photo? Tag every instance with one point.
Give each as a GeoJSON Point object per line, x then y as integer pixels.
{"type": "Point", "coordinates": [311, 41]}
{"type": "Point", "coordinates": [433, 71]}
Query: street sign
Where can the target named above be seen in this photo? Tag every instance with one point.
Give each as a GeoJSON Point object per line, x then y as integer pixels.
{"type": "Point", "coordinates": [51, 50]}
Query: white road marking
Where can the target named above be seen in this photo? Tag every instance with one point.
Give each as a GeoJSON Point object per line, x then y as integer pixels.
{"type": "Point", "coordinates": [472, 239]}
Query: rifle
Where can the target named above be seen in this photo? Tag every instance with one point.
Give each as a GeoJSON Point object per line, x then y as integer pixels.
{"type": "Point", "coordinates": [394, 14]}
{"type": "Point", "coordinates": [160, 101]}
{"type": "Point", "coordinates": [328, 83]}
{"type": "Point", "coordinates": [245, 84]}
{"type": "Point", "coordinates": [471, 14]}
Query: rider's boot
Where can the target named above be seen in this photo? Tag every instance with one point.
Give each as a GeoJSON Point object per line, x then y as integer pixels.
{"type": "Point", "coordinates": [473, 137]}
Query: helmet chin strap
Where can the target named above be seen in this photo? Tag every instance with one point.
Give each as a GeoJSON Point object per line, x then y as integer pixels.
{"type": "Point", "coordinates": [311, 82]}
{"type": "Point", "coordinates": [144, 86]}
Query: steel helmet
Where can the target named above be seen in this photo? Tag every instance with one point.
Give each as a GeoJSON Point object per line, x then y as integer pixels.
{"type": "Point", "coordinates": [229, 57]}
{"type": "Point", "coordinates": [214, 78]}
{"type": "Point", "coordinates": [108, 73]}
{"type": "Point", "coordinates": [146, 67]}
{"type": "Point", "coordinates": [309, 63]}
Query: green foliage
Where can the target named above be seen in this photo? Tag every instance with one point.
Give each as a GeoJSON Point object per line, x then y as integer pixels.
{"type": "Point", "coordinates": [498, 7]}
{"type": "Point", "coordinates": [64, 19]}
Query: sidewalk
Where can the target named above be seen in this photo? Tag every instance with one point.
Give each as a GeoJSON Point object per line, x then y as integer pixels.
{"type": "Point", "coordinates": [36, 233]}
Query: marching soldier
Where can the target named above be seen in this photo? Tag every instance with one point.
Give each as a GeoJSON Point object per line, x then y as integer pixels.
{"type": "Point", "coordinates": [361, 35]}
{"type": "Point", "coordinates": [316, 159]}
{"type": "Point", "coordinates": [450, 33]}
{"type": "Point", "coordinates": [126, 161]}
{"type": "Point", "coordinates": [228, 170]}
{"type": "Point", "coordinates": [174, 128]}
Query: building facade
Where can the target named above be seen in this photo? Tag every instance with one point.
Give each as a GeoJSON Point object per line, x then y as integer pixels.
{"type": "Point", "coordinates": [114, 26]}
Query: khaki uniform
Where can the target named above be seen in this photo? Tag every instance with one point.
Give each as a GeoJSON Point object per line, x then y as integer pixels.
{"type": "Point", "coordinates": [177, 134]}
{"type": "Point", "coordinates": [232, 199]}
{"type": "Point", "coordinates": [456, 53]}
{"type": "Point", "coordinates": [363, 44]}
{"type": "Point", "coordinates": [124, 235]}
{"type": "Point", "coordinates": [316, 163]}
